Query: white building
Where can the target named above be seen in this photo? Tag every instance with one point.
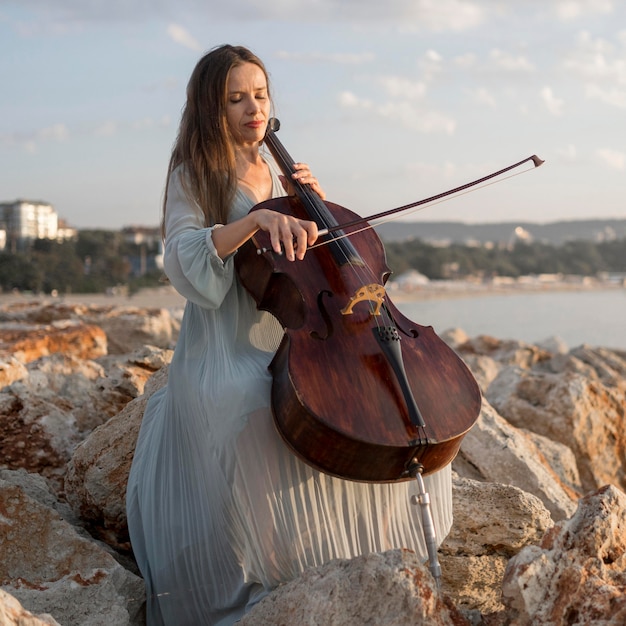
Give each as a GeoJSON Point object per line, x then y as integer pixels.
{"type": "Point", "coordinates": [29, 220]}
{"type": "Point", "coordinates": [26, 220]}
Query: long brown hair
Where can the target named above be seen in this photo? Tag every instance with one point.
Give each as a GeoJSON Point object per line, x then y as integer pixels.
{"type": "Point", "coordinates": [204, 143]}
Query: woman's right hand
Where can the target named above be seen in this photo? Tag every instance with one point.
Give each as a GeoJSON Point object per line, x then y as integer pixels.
{"type": "Point", "coordinates": [288, 234]}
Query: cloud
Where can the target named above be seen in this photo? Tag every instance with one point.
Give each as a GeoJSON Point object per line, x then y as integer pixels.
{"type": "Point", "coordinates": [484, 96]}
{"type": "Point", "coordinates": [56, 132]}
{"type": "Point", "coordinates": [340, 58]}
{"type": "Point", "coordinates": [403, 112]}
{"type": "Point", "coordinates": [148, 123]}
{"type": "Point", "coordinates": [421, 120]}
{"type": "Point", "coordinates": [400, 87]}
{"type": "Point", "coordinates": [598, 59]}
{"type": "Point", "coordinates": [180, 35]}
{"type": "Point", "coordinates": [613, 97]}
{"type": "Point", "coordinates": [433, 15]}
{"type": "Point", "coordinates": [509, 62]}
{"type": "Point", "coordinates": [568, 153]}
{"type": "Point", "coordinates": [568, 10]}
{"type": "Point", "coordinates": [613, 158]}
{"type": "Point", "coordinates": [431, 64]}
{"type": "Point", "coordinates": [349, 100]}
{"type": "Point", "coordinates": [465, 61]}
{"type": "Point", "coordinates": [553, 104]}
{"type": "Point", "coordinates": [430, 171]}
{"type": "Point", "coordinates": [601, 66]}
{"type": "Point", "coordinates": [107, 129]}
{"type": "Point", "coordinates": [30, 142]}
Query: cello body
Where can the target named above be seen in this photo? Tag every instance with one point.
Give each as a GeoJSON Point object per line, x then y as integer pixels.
{"type": "Point", "coordinates": [359, 391]}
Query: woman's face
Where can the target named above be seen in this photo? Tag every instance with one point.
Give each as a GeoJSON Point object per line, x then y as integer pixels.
{"type": "Point", "coordinates": [247, 103]}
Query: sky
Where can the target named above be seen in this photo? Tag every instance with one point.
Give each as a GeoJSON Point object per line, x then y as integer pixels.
{"type": "Point", "coordinates": [388, 102]}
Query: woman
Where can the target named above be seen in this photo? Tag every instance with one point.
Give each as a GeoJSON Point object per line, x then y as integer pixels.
{"type": "Point", "coordinates": [219, 510]}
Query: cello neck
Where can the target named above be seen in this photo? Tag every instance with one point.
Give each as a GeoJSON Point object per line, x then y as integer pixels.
{"type": "Point", "coordinates": [314, 206]}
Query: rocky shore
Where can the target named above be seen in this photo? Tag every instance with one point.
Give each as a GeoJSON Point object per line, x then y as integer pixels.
{"type": "Point", "coordinates": [539, 536]}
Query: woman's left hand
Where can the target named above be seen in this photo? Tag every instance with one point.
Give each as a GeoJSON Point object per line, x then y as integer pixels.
{"type": "Point", "coordinates": [304, 176]}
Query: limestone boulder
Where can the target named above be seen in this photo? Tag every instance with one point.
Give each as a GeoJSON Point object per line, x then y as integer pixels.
{"type": "Point", "coordinates": [576, 410]}
{"type": "Point", "coordinates": [29, 342]}
{"type": "Point", "coordinates": [48, 412]}
{"type": "Point", "coordinates": [505, 351]}
{"type": "Point", "coordinates": [129, 328]}
{"type": "Point", "coordinates": [551, 429]}
{"type": "Point", "coordinates": [577, 575]}
{"type": "Point", "coordinates": [603, 364]}
{"type": "Point", "coordinates": [492, 522]}
{"type": "Point", "coordinates": [392, 588]}
{"type": "Point", "coordinates": [52, 568]}
{"type": "Point", "coordinates": [494, 451]}
{"type": "Point", "coordinates": [11, 370]}
{"type": "Point", "coordinates": [97, 473]}
{"type": "Point", "coordinates": [12, 613]}
{"type": "Point", "coordinates": [41, 312]}
{"type": "Point", "coordinates": [125, 328]}
{"type": "Point", "coordinates": [37, 431]}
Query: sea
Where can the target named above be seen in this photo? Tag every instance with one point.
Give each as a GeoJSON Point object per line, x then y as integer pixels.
{"type": "Point", "coordinates": [595, 318]}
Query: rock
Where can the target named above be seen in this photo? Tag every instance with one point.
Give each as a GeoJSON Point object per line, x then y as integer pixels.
{"type": "Point", "coordinates": [51, 568]}
{"type": "Point", "coordinates": [554, 344]}
{"type": "Point", "coordinates": [484, 368]}
{"type": "Point", "coordinates": [492, 522]}
{"type": "Point", "coordinates": [578, 573]}
{"type": "Point", "coordinates": [494, 518]}
{"type": "Point", "coordinates": [46, 414]}
{"type": "Point", "coordinates": [560, 458]}
{"type": "Point", "coordinates": [486, 356]}
{"type": "Point", "coordinates": [12, 613]}
{"type": "Point", "coordinates": [39, 489]}
{"type": "Point", "coordinates": [11, 370]}
{"type": "Point", "coordinates": [126, 375]}
{"type": "Point", "coordinates": [609, 365]}
{"type": "Point", "coordinates": [392, 588]}
{"type": "Point", "coordinates": [96, 477]}
{"type": "Point", "coordinates": [29, 343]}
{"type": "Point", "coordinates": [454, 337]}
{"type": "Point", "coordinates": [41, 313]}
{"type": "Point", "coordinates": [494, 451]}
{"type": "Point", "coordinates": [36, 433]}
{"type": "Point", "coordinates": [129, 328]}
{"type": "Point", "coordinates": [574, 410]}
{"type": "Point", "coordinates": [505, 352]}
{"type": "Point", "coordinates": [551, 428]}
{"type": "Point", "coordinates": [125, 328]}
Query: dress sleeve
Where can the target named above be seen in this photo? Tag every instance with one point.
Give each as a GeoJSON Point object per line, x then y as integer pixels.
{"type": "Point", "coordinates": [190, 260]}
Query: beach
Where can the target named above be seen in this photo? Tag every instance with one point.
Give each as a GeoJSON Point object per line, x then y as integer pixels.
{"type": "Point", "coordinates": [167, 297]}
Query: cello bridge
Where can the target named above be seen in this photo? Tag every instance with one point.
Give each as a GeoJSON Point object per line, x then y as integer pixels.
{"type": "Point", "coordinates": [371, 293]}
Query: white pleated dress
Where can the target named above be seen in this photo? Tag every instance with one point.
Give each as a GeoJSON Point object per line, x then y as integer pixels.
{"type": "Point", "coordinates": [220, 511]}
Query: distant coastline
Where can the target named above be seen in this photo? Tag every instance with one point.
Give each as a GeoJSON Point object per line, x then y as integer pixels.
{"type": "Point", "coordinates": [167, 297]}
{"type": "Point", "coordinates": [467, 288]}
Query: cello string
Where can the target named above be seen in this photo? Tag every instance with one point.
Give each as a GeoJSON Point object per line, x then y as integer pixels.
{"type": "Point", "coordinates": [363, 273]}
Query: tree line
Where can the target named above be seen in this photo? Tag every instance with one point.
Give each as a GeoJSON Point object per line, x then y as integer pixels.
{"type": "Point", "coordinates": [582, 258]}
{"type": "Point", "coordinates": [98, 260]}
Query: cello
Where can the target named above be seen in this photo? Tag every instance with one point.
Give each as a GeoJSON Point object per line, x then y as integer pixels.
{"type": "Point", "coordinates": [359, 391]}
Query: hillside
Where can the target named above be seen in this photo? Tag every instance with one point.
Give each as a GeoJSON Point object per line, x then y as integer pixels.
{"type": "Point", "coordinates": [554, 233]}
